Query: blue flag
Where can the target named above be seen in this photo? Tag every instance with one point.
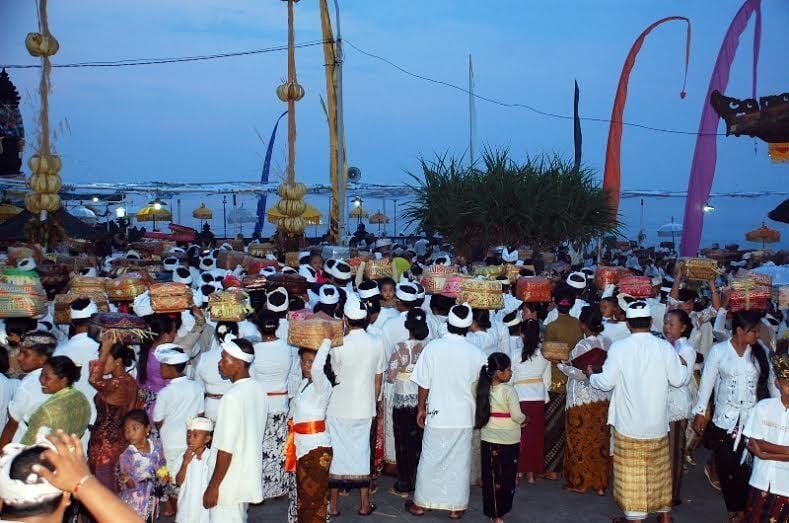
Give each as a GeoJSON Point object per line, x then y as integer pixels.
{"type": "Point", "coordinates": [264, 176]}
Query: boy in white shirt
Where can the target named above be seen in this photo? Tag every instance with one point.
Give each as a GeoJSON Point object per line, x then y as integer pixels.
{"type": "Point", "coordinates": [177, 403]}
{"type": "Point", "coordinates": [192, 478]}
{"type": "Point", "coordinates": [767, 431]}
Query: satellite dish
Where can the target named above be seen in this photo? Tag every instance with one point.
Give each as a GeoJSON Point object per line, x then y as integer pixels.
{"type": "Point", "coordinates": [354, 174]}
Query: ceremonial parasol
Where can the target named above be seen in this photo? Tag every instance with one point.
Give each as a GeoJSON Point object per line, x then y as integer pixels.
{"type": "Point", "coordinates": [311, 215]}
{"type": "Point", "coordinates": [669, 230]}
{"type": "Point", "coordinates": [202, 213]}
{"type": "Point", "coordinates": [358, 212]}
{"type": "Point", "coordinates": [763, 235]}
{"type": "Point", "coordinates": [241, 215]}
{"type": "Point", "coordinates": [7, 210]}
{"type": "Point", "coordinates": [380, 219]}
{"type": "Point", "coordinates": [84, 214]}
{"type": "Point", "coordinates": [150, 213]}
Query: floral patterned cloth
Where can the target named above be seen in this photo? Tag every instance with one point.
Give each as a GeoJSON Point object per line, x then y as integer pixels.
{"type": "Point", "coordinates": [67, 409]}
{"type": "Point", "coordinates": [142, 467]}
{"type": "Point", "coordinates": [275, 481]}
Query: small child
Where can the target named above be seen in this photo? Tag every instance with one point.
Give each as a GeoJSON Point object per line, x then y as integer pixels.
{"type": "Point", "coordinates": [141, 466]}
{"type": "Point", "coordinates": [387, 288]}
{"type": "Point", "coordinates": [193, 476]}
{"type": "Point", "coordinates": [767, 429]}
{"type": "Point", "coordinates": [177, 403]}
{"type": "Point", "coordinates": [499, 416]}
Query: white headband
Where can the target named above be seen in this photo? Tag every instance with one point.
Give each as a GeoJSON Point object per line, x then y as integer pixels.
{"type": "Point", "coordinates": [33, 489]}
{"type": "Point", "coordinates": [235, 351]}
{"type": "Point", "coordinates": [166, 353]}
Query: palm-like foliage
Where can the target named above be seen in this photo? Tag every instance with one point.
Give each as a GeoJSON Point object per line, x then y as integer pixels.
{"type": "Point", "coordinates": [540, 202]}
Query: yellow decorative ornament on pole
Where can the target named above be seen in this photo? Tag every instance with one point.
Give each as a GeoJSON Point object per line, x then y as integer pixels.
{"type": "Point", "coordinates": [292, 205]}
{"type": "Point", "coordinates": [44, 181]}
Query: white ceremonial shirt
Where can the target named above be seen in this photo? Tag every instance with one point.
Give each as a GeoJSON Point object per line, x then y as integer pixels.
{"type": "Point", "coordinates": [28, 397]}
{"type": "Point", "coordinates": [394, 332]}
{"type": "Point", "coordinates": [208, 377]}
{"type": "Point", "coordinates": [449, 367]}
{"type": "Point", "coordinates": [8, 387]}
{"type": "Point", "coordinates": [239, 429]}
{"type": "Point", "coordinates": [190, 495]}
{"type": "Point", "coordinates": [487, 341]}
{"type": "Point", "coordinates": [81, 349]}
{"type": "Point", "coordinates": [681, 399]}
{"type": "Point", "coordinates": [282, 330]}
{"type": "Point", "coordinates": [531, 378]}
{"type": "Point", "coordinates": [248, 331]}
{"type": "Point", "coordinates": [769, 422]}
{"type": "Point", "coordinates": [614, 331]}
{"type": "Point", "coordinates": [177, 403]}
{"type": "Point", "coordinates": [639, 371]}
{"type": "Point", "coordinates": [658, 311]}
{"type": "Point", "coordinates": [356, 363]}
{"type": "Point", "coordinates": [311, 402]}
{"type": "Point", "coordinates": [271, 368]}
{"type": "Point", "coordinates": [734, 380]}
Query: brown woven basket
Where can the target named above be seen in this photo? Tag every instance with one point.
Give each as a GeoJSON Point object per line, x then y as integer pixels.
{"type": "Point", "coordinates": [87, 284]}
{"type": "Point", "coordinates": [555, 351]}
{"type": "Point", "coordinates": [608, 276]}
{"type": "Point", "coordinates": [260, 250]}
{"type": "Point", "coordinates": [125, 288]}
{"type": "Point", "coordinates": [308, 333]}
{"type": "Point", "coordinates": [377, 269]}
{"type": "Point", "coordinates": [228, 306]}
{"type": "Point", "coordinates": [62, 303]}
{"type": "Point", "coordinates": [22, 301]}
{"type": "Point", "coordinates": [170, 297]}
{"type": "Point", "coordinates": [699, 269]}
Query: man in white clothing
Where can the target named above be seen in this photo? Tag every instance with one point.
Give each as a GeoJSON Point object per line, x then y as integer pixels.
{"type": "Point", "coordinates": [639, 370]}
{"type": "Point", "coordinates": [446, 372]}
{"type": "Point", "coordinates": [237, 447]}
{"type": "Point", "coordinates": [358, 364]}
{"type": "Point", "coordinates": [577, 281]}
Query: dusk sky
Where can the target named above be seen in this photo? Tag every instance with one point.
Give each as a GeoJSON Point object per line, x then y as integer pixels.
{"type": "Point", "coordinates": [196, 121]}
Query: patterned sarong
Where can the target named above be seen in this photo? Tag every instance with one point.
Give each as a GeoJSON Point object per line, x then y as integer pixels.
{"type": "Point", "coordinates": [642, 475]}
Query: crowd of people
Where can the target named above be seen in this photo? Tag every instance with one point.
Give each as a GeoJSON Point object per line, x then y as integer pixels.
{"type": "Point", "coordinates": [203, 417]}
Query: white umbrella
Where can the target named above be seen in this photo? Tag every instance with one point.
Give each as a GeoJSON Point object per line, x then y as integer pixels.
{"type": "Point", "coordinates": [84, 214]}
{"type": "Point", "coordinates": [778, 273]}
{"type": "Point", "coordinates": [241, 215]}
{"type": "Point", "coordinates": [669, 230]}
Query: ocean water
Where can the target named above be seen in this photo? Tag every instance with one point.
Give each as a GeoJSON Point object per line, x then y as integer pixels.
{"type": "Point", "coordinates": [728, 223]}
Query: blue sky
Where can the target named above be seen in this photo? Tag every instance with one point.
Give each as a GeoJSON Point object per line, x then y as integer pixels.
{"type": "Point", "coordinates": [197, 121]}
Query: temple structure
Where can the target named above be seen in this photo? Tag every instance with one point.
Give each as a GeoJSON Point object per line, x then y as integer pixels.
{"type": "Point", "coordinates": [12, 131]}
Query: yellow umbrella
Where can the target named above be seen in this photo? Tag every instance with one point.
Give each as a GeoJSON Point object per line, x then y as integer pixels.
{"type": "Point", "coordinates": [203, 213]}
{"type": "Point", "coordinates": [8, 211]}
{"type": "Point", "coordinates": [312, 216]}
{"type": "Point", "coordinates": [358, 212]}
{"type": "Point", "coordinates": [152, 214]}
{"type": "Point", "coordinates": [379, 218]}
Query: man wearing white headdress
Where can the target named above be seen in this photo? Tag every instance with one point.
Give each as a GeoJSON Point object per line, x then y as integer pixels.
{"type": "Point", "coordinates": [237, 477]}
{"type": "Point", "coordinates": [358, 364]}
{"type": "Point", "coordinates": [81, 349]}
{"type": "Point", "coordinates": [639, 370]}
{"type": "Point", "coordinates": [446, 372]}
{"type": "Point", "coordinates": [577, 281]}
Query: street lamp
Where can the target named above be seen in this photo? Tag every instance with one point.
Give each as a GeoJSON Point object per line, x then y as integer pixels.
{"type": "Point", "coordinates": [708, 207]}
{"type": "Point", "coordinates": [95, 199]}
{"type": "Point", "coordinates": [157, 206]}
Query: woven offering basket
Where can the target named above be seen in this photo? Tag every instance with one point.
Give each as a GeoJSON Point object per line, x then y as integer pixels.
{"type": "Point", "coordinates": [377, 269]}
{"type": "Point", "coordinates": [608, 276]}
{"type": "Point", "coordinates": [295, 284]}
{"type": "Point", "coordinates": [125, 288]}
{"type": "Point", "coordinates": [487, 271]}
{"type": "Point", "coordinates": [255, 282]}
{"type": "Point", "coordinates": [636, 286]}
{"type": "Point", "coordinates": [118, 327]}
{"type": "Point", "coordinates": [453, 284]}
{"type": "Point", "coordinates": [481, 294]}
{"type": "Point", "coordinates": [87, 284]}
{"type": "Point", "coordinates": [27, 300]}
{"type": "Point", "coordinates": [292, 259]}
{"type": "Point", "coordinates": [555, 351]}
{"type": "Point", "coordinates": [308, 332]}
{"type": "Point", "coordinates": [62, 304]}
{"type": "Point", "coordinates": [260, 250]}
{"type": "Point", "coordinates": [533, 289]}
{"type": "Point", "coordinates": [749, 294]}
{"type": "Point", "coordinates": [228, 306]}
{"type": "Point", "coordinates": [170, 297]}
{"type": "Point", "coordinates": [699, 269]}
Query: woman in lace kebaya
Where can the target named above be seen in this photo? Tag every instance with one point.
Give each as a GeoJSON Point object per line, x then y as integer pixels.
{"type": "Point", "coordinates": [586, 461]}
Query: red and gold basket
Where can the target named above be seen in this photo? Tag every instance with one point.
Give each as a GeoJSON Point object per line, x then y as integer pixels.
{"type": "Point", "coordinates": [481, 294]}
{"type": "Point", "coordinates": [125, 288]}
{"type": "Point", "coordinates": [487, 271]}
{"type": "Point", "coordinates": [309, 332]}
{"type": "Point", "coordinates": [747, 294]}
{"type": "Point", "coordinates": [87, 284]}
{"type": "Point", "coordinates": [453, 284]}
{"type": "Point", "coordinates": [636, 286]}
{"type": "Point", "coordinates": [119, 328]}
{"type": "Point", "coordinates": [170, 297]}
{"type": "Point", "coordinates": [608, 276]}
{"type": "Point", "coordinates": [532, 289]}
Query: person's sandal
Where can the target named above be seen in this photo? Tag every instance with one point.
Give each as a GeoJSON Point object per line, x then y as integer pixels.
{"type": "Point", "coordinates": [413, 509]}
{"type": "Point", "coordinates": [456, 514]}
{"type": "Point", "coordinates": [370, 509]}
